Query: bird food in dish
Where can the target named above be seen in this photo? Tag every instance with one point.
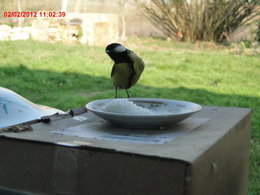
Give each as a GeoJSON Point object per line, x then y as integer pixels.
{"type": "Point", "coordinates": [125, 106]}
{"type": "Point", "coordinates": [142, 113]}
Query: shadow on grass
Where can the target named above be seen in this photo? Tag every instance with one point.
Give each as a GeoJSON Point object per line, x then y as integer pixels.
{"type": "Point", "coordinates": [66, 90]}
{"type": "Point", "coordinates": [61, 90]}
{"type": "Point", "coordinates": [48, 87]}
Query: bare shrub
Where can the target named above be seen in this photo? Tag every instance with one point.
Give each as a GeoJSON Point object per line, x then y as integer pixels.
{"type": "Point", "coordinates": [208, 20]}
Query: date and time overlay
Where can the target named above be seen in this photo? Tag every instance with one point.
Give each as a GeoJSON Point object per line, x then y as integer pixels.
{"type": "Point", "coordinates": [33, 14]}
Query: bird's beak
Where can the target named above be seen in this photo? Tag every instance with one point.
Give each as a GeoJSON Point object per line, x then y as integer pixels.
{"type": "Point", "coordinates": [108, 51]}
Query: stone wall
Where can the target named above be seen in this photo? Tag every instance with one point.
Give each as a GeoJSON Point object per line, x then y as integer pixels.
{"type": "Point", "coordinates": [97, 29]}
{"type": "Point", "coordinates": [90, 29]}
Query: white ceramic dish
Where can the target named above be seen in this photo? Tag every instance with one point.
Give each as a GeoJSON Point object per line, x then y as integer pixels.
{"type": "Point", "coordinates": [165, 112]}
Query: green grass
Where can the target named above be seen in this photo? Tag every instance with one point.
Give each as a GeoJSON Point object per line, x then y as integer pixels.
{"type": "Point", "coordinates": [69, 76]}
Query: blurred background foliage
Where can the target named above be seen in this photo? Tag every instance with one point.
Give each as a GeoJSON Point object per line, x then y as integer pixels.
{"type": "Point", "coordinates": [207, 20]}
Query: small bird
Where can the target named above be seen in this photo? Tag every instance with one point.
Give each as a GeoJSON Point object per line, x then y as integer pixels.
{"type": "Point", "coordinates": [127, 67]}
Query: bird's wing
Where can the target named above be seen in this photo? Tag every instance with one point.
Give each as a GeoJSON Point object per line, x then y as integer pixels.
{"type": "Point", "coordinates": [130, 79]}
{"type": "Point", "coordinates": [131, 66]}
{"type": "Point", "coordinates": [131, 63]}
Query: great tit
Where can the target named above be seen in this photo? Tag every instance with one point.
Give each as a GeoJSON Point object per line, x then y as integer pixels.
{"type": "Point", "coordinates": [127, 67]}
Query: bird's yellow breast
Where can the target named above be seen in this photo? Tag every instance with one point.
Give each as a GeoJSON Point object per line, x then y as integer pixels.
{"type": "Point", "coordinates": [121, 75]}
{"type": "Point", "coordinates": [124, 76]}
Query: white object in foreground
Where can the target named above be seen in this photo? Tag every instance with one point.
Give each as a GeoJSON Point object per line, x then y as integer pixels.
{"type": "Point", "coordinates": [14, 109]}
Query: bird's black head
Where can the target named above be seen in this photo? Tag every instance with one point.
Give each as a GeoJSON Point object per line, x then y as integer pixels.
{"type": "Point", "coordinates": [117, 52]}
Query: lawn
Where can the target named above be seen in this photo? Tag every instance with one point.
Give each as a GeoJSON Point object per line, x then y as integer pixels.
{"type": "Point", "coordinates": [68, 76]}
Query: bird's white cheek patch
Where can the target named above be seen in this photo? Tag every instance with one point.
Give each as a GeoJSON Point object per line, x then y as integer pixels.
{"type": "Point", "coordinates": [120, 48]}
